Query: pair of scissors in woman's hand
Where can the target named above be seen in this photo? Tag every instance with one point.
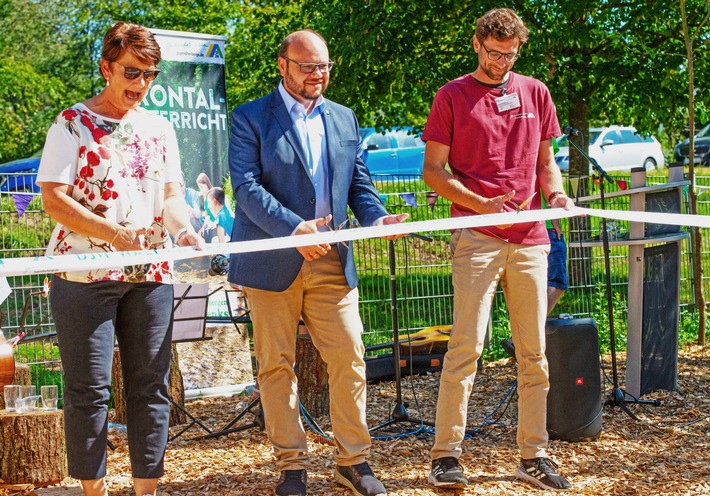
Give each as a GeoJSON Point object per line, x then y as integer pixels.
{"type": "Point", "coordinates": [519, 208]}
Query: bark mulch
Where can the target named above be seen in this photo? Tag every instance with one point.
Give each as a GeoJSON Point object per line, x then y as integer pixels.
{"type": "Point", "coordinates": [666, 452]}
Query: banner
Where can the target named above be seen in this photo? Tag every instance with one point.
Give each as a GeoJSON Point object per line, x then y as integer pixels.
{"type": "Point", "coordinates": [191, 93]}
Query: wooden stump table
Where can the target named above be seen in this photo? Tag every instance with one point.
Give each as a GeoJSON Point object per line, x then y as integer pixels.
{"type": "Point", "coordinates": [32, 448]}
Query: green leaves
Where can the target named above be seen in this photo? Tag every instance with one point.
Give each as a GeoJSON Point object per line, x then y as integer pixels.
{"type": "Point", "coordinates": [604, 62]}
{"type": "Point", "coordinates": [28, 100]}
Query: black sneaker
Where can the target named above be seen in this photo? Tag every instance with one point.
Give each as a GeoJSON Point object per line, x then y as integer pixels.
{"type": "Point", "coordinates": [543, 473]}
{"type": "Point", "coordinates": [446, 472]}
{"type": "Point", "coordinates": [291, 483]}
{"type": "Point", "coordinates": [360, 479]}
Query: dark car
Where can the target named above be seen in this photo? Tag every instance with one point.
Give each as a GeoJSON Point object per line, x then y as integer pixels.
{"type": "Point", "coordinates": [20, 174]}
{"type": "Point", "coordinates": [394, 151]}
{"type": "Point", "coordinates": [702, 148]}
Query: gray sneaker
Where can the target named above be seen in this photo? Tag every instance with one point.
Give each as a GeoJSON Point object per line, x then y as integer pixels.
{"type": "Point", "coordinates": [542, 472]}
{"type": "Point", "coordinates": [360, 479]}
{"type": "Point", "coordinates": [446, 473]}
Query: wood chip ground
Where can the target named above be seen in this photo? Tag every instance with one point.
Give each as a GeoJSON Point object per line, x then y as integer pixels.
{"type": "Point", "coordinates": [666, 452]}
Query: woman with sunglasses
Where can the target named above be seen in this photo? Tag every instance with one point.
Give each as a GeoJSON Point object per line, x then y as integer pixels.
{"type": "Point", "coordinates": [110, 177]}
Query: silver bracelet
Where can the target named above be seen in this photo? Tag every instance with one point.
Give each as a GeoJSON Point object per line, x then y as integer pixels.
{"type": "Point", "coordinates": [180, 234]}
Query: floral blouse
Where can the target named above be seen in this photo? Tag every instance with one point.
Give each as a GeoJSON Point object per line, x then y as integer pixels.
{"type": "Point", "coordinates": [118, 170]}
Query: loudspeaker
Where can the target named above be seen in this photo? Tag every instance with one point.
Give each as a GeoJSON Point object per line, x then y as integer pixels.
{"type": "Point", "coordinates": [574, 403]}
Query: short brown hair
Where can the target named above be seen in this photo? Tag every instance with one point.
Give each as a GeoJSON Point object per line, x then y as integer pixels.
{"type": "Point", "coordinates": [127, 37]}
{"type": "Point", "coordinates": [502, 24]}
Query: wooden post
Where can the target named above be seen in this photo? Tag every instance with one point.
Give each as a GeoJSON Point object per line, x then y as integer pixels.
{"type": "Point", "coordinates": [176, 389]}
{"type": "Point", "coordinates": [32, 448]}
{"type": "Point", "coordinates": [312, 376]}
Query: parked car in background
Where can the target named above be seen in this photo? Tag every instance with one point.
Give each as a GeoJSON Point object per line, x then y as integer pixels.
{"type": "Point", "coordinates": [616, 148]}
{"type": "Point", "coordinates": [20, 174]}
{"type": "Point", "coordinates": [701, 153]}
{"type": "Point", "coordinates": [395, 151]}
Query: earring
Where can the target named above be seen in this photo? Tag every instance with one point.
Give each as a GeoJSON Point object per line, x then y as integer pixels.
{"type": "Point", "coordinates": [108, 82]}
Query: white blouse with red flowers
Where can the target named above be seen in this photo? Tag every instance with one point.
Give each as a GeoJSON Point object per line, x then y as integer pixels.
{"type": "Point", "coordinates": [118, 170]}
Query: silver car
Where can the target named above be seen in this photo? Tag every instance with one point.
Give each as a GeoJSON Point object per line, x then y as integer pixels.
{"type": "Point", "coordinates": [616, 148]}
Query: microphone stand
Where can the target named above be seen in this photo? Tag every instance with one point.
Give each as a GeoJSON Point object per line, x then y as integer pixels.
{"type": "Point", "coordinates": [399, 412]}
{"type": "Point", "coordinates": [617, 397]}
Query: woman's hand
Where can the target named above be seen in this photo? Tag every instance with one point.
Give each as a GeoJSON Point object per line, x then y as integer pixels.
{"type": "Point", "coordinates": [128, 239]}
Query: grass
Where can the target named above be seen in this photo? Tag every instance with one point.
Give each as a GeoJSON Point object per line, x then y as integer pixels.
{"type": "Point", "coordinates": [423, 274]}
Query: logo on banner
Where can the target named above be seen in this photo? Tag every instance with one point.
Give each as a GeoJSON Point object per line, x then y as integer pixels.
{"type": "Point", "coordinates": [214, 51]}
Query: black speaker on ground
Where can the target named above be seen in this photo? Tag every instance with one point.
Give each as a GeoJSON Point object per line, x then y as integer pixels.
{"type": "Point", "coordinates": [574, 403]}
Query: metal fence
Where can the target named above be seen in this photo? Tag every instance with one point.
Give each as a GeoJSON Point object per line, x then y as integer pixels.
{"type": "Point", "coordinates": [422, 273]}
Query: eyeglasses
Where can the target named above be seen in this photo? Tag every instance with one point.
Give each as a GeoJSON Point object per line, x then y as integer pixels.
{"type": "Point", "coordinates": [134, 72]}
{"type": "Point", "coordinates": [494, 55]}
{"type": "Point", "coordinates": [309, 68]}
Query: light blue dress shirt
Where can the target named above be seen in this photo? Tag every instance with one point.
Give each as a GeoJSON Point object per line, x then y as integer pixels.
{"type": "Point", "coordinates": [311, 131]}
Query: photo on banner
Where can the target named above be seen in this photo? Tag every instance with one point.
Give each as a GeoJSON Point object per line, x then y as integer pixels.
{"type": "Point", "coordinates": [191, 94]}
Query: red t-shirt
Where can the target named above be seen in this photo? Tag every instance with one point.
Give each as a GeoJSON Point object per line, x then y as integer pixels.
{"type": "Point", "coordinates": [493, 151]}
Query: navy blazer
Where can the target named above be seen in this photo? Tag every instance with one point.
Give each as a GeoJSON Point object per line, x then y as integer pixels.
{"type": "Point", "coordinates": [274, 192]}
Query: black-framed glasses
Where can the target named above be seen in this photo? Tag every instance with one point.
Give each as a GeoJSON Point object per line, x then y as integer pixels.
{"type": "Point", "coordinates": [134, 72]}
{"type": "Point", "coordinates": [309, 68]}
{"type": "Point", "coordinates": [495, 55]}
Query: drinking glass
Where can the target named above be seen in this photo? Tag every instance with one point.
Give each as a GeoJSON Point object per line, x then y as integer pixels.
{"type": "Point", "coordinates": [11, 394]}
{"type": "Point", "coordinates": [27, 404]}
{"type": "Point", "coordinates": [26, 391]}
{"type": "Point", "coordinates": [50, 396]}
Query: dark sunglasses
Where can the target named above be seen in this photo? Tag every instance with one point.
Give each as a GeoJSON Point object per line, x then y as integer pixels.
{"type": "Point", "coordinates": [134, 72]}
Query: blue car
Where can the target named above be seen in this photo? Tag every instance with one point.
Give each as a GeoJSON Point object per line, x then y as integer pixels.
{"type": "Point", "coordinates": [20, 174]}
{"type": "Point", "coordinates": [395, 151]}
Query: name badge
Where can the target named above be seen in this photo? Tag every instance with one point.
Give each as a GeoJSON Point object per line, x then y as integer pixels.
{"type": "Point", "coordinates": [508, 102]}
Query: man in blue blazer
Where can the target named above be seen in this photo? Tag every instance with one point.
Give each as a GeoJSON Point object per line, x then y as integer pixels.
{"type": "Point", "coordinates": [296, 166]}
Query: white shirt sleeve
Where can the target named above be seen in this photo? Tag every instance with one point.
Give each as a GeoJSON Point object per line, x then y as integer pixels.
{"type": "Point", "coordinates": [59, 157]}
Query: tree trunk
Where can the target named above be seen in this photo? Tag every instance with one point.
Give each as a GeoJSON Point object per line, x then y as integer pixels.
{"type": "Point", "coordinates": [23, 376]}
{"type": "Point", "coordinates": [32, 448]}
{"type": "Point", "coordinates": [175, 389]}
{"type": "Point", "coordinates": [312, 376]}
{"type": "Point", "coordinates": [696, 238]}
{"type": "Point", "coordinates": [580, 265]}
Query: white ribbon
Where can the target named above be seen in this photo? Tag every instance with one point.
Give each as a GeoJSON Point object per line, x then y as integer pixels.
{"type": "Point", "coordinates": [91, 261]}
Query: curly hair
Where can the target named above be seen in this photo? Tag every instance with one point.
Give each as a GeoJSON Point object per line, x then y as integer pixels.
{"type": "Point", "coordinates": [128, 37]}
{"type": "Point", "coordinates": [502, 24]}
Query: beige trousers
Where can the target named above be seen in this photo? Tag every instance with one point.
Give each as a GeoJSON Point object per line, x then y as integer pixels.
{"type": "Point", "coordinates": [479, 263]}
{"type": "Point", "coordinates": [329, 307]}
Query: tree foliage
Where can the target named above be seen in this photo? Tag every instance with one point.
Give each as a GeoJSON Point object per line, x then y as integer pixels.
{"type": "Point", "coordinates": [605, 62]}
{"type": "Point", "coordinates": [28, 99]}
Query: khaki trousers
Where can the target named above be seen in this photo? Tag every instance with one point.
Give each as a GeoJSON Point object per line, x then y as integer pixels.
{"type": "Point", "coordinates": [479, 263]}
{"type": "Point", "coordinates": [329, 307]}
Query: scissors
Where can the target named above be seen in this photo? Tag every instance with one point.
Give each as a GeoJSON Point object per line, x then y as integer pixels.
{"type": "Point", "coordinates": [519, 208]}
{"type": "Point", "coordinates": [343, 225]}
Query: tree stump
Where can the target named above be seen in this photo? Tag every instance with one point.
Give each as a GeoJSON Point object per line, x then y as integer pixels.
{"type": "Point", "coordinates": [312, 376]}
{"type": "Point", "coordinates": [23, 377]}
{"type": "Point", "coordinates": [32, 448]}
{"type": "Point", "coordinates": [176, 389]}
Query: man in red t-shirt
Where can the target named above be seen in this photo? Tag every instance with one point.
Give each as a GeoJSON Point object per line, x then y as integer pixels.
{"type": "Point", "coordinates": [494, 129]}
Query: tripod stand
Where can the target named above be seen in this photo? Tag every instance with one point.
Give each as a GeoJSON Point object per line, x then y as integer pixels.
{"type": "Point", "coordinates": [228, 429]}
{"type": "Point", "coordinates": [617, 396]}
{"type": "Point", "coordinates": [399, 412]}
